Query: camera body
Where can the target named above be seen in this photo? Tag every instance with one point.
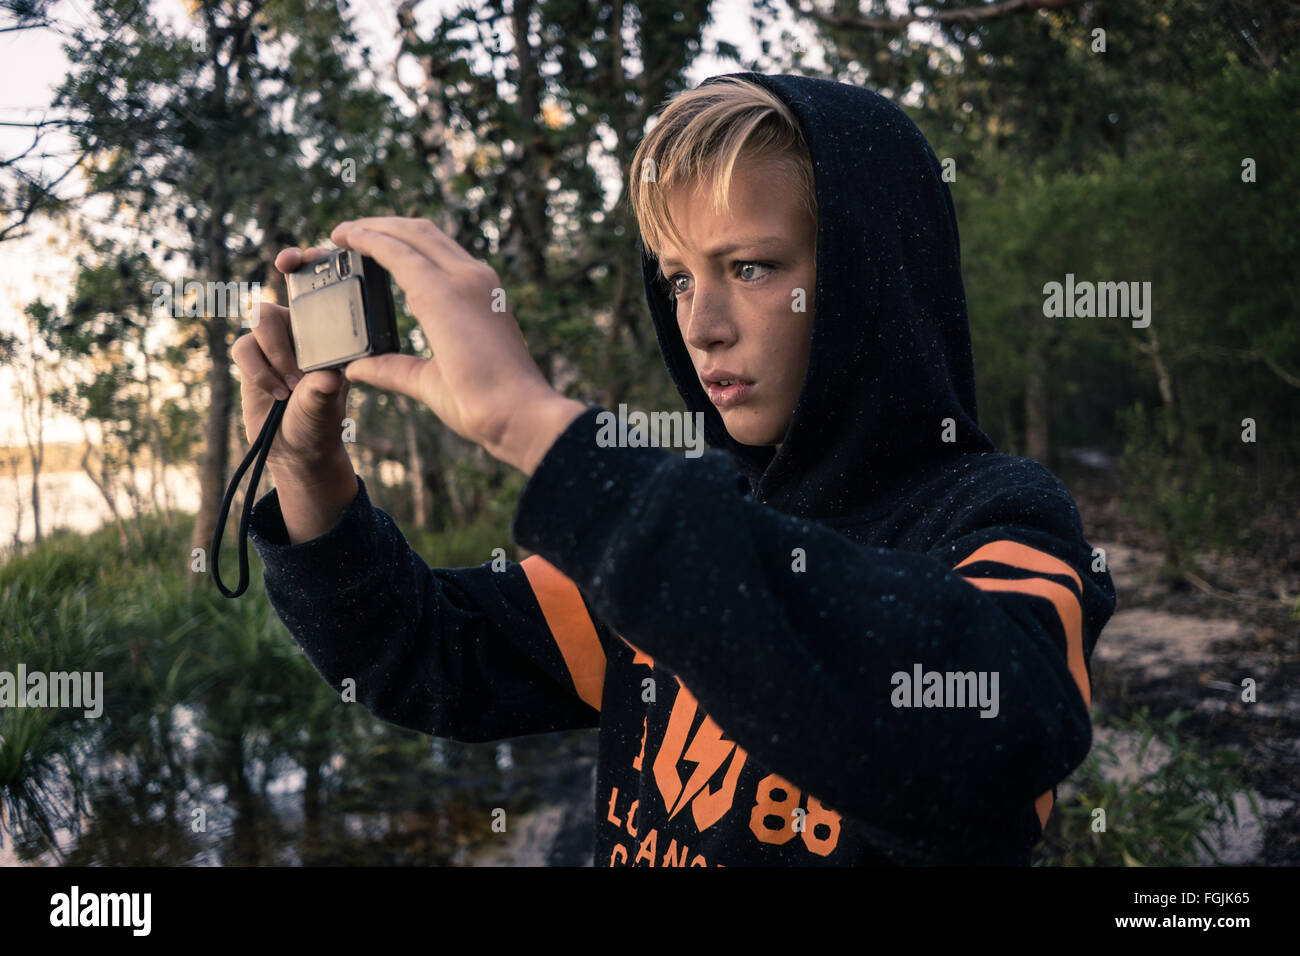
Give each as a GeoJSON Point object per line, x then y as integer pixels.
{"type": "Point", "coordinates": [340, 309]}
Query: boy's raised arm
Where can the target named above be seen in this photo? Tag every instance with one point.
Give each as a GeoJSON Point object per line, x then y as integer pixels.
{"type": "Point", "coordinates": [472, 654]}
{"type": "Point", "coordinates": [798, 666]}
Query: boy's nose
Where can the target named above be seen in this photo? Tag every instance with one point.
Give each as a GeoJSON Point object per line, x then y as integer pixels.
{"type": "Point", "coordinates": [707, 322]}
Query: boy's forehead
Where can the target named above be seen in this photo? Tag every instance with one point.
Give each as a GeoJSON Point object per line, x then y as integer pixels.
{"type": "Point", "coordinates": [761, 211]}
{"type": "Point", "coordinates": [727, 243]}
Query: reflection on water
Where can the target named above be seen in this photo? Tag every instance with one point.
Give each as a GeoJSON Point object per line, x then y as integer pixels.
{"type": "Point", "coordinates": [420, 804]}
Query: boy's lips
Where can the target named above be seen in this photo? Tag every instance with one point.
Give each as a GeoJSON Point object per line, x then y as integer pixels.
{"type": "Point", "coordinates": [726, 388]}
{"type": "Point", "coordinates": [725, 396]}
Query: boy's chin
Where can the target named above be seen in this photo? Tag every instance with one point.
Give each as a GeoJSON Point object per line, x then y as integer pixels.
{"type": "Point", "coordinates": [751, 431]}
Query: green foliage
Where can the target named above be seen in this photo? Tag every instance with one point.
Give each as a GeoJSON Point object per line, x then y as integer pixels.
{"type": "Point", "coordinates": [1171, 209]}
{"type": "Point", "coordinates": [1156, 815]}
{"type": "Point", "coordinates": [1188, 497]}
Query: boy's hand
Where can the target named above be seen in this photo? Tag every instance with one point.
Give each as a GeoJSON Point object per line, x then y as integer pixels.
{"type": "Point", "coordinates": [481, 382]}
{"type": "Point", "coordinates": [309, 442]}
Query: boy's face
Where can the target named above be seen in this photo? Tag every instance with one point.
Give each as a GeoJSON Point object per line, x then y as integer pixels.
{"type": "Point", "coordinates": [735, 285]}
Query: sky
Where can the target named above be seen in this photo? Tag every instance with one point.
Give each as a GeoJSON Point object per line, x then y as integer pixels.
{"type": "Point", "coordinates": [32, 65]}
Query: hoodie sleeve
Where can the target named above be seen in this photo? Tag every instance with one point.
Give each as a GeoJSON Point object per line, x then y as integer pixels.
{"type": "Point", "coordinates": [798, 666]}
{"type": "Point", "coordinates": [472, 654]}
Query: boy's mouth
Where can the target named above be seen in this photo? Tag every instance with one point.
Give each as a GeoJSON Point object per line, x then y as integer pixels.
{"type": "Point", "coordinates": [726, 388]}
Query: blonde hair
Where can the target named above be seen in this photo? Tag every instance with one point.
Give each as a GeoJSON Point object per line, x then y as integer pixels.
{"type": "Point", "coordinates": [700, 136]}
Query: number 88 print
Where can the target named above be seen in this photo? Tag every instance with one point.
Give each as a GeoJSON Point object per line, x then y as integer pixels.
{"type": "Point", "coordinates": [778, 802]}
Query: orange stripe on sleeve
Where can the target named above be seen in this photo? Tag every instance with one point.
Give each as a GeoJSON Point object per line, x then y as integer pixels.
{"type": "Point", "coordinates": [571, 626]}
{"type": "Point", "coordinates": [1067, 606]}
{"type": "Point", "coordinates": [1043, 807]}
{"type": "Point", "coordinates": [1017, 555]}
{"type": "Point", "coordinates": [640, 656]}
{"type": "Point", "coordinates": [1022, 556]}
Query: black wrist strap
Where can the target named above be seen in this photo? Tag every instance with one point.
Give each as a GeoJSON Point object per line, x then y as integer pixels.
{"type": "Point", "coordinates": [259, 450]}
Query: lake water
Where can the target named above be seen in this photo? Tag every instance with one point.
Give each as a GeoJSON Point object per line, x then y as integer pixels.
{"type": "Point", "coordinates": [435, 812]}
{"type": "Point", "coordinates": [69, 499]}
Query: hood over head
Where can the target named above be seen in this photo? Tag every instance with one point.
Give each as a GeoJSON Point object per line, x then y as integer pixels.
{"type": "Point", "coordinates": [890, 357]}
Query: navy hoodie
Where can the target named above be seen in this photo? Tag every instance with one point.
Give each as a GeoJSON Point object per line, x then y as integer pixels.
{"type": "Point", "coordinates": [871, 646]}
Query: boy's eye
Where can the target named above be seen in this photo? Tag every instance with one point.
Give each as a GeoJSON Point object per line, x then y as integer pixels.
{"type": "Point", "coordinates": [744, 271]}
{"type": "Point", "coordinates": [752, 265]}
{"type": "Point", "coordinates": [673, 285]}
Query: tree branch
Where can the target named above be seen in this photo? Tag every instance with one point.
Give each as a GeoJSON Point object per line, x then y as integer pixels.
{"type": "Point", "coordinates": [1246, 354]}
{"type": "Point", "coordinates": [967, 15]}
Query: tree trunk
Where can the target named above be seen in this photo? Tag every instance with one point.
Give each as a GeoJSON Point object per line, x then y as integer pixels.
{"type": "Point", "coordinates": [1037, 399]}
{"type": "Point", "coordinates": [103, 482]}
{"type": "Point", "coordinates": [156, 477]}
{"type": "Point", "coordinates": [415, 466]}
{"type": "Point", "coordinates": [34, 431]}
{"type": "Point", "coordinates": [215, 460]}
{"type": "Point", "coordinates": [1165, 383]}
{"type": "Point", "coordinates": [36, 507]}
{"type": "Point", "coordinates": [18, 506]}
{"type": "Point", "coordinates": [135, 497]}
{"type": "Point", "coordinates": [533, 167]}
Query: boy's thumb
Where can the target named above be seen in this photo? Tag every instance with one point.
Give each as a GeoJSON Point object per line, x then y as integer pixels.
{"type": "Point", "coordinates": [392, 373]}
{"type": "Point", "coordinates": [321, 385]}
{"type": "Point", "coordinates": [319, 390]}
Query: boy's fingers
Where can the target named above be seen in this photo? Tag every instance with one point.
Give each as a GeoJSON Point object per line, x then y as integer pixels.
{"type": "Point", "coordinates": [270, 310]}
{"type": "Point", "coordinates": [254, 368]}
{"type": "Point", "coordinates": [272, 332]}
{"type": "Point", "coordinates": [287, 260]}
{"type": "Point", "coordinates": [419, 234]}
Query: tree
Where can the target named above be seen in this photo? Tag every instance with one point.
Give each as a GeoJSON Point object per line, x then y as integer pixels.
{"type": "Point", "coordinates": [26, 192]}
{"type": "Point", "coordinates": [227, 141]}
{"type": "Point", "coordinates": [31, 373]}
{"type": "Point", "coordinates": [520, 126]}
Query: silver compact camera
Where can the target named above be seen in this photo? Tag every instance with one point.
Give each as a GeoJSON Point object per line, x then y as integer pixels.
{"type": "Point", "coordinates": [340, 309]}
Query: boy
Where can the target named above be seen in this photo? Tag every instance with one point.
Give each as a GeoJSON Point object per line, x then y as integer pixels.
{"type": "Point", "coordinates": [850, 633]}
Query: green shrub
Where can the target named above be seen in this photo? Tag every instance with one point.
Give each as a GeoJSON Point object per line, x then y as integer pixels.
{"type": "Point", "coordinates": [1158, 817]}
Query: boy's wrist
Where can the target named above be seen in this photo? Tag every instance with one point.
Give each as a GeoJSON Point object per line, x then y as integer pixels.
{"type": "Point", "coordinates": [534, 428]}
{"type": "Point", "coordinates": [332, 471]}
{"type": "Point", "coordinates": [311, 502]}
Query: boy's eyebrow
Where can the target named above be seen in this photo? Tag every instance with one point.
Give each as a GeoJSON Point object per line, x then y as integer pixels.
{"type": "Point", "coordinates": [730, 247]}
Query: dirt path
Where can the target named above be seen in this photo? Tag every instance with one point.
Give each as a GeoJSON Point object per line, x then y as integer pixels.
{"type": "Point", "coordinates": [1170, 647]}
